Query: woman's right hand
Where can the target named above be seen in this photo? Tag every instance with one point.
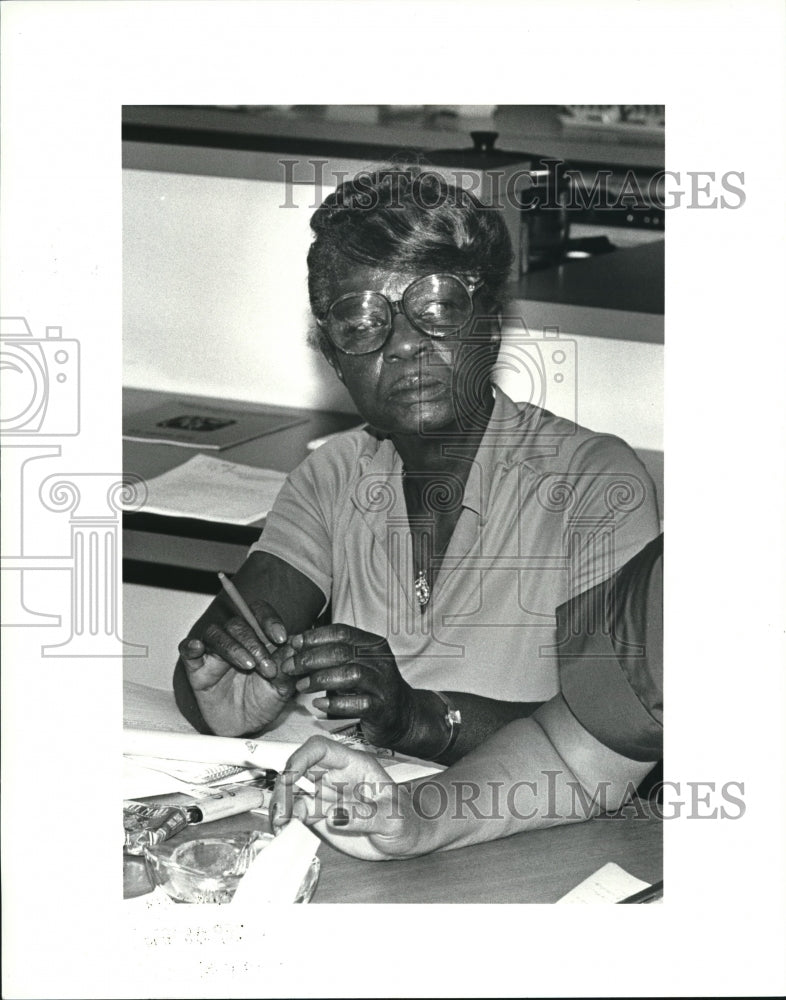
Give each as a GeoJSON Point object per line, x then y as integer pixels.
{"type": "Point", "coordinates": [235, 679]}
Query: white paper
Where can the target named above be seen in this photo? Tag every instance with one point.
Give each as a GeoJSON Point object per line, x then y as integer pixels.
{"type": "Point", "coordinates": [609, 884]}
{"type": "Point", "coordinates": [261, 753]}
{"type": "Point", "coordinates": [272, 754]}
{"type": "Point", "coordinates": [407, 770]}
{"type": "Point", "coordinates": [146, 707]}
{"type": "Point", "coordinates": [277, 872]}
{"type": "Point", "coordinates": [213, 489]}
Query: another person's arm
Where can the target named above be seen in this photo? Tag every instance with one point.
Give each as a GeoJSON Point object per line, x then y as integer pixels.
{"type": "Point", "coordinates": [533, 773]}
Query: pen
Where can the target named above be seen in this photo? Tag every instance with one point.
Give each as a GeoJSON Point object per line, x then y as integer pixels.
{"type": "Point", "coordinates": [234, 595]}
{"type": "Point", "coordinates": [228, 800]}
{"type": "Point", "coordinates": [647, 895]}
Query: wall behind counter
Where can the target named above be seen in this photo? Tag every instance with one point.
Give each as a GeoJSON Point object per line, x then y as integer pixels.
{"type": "Point", "coordinates": [215, 304]}
{"type": "Point", "coordinates": [214, 291]}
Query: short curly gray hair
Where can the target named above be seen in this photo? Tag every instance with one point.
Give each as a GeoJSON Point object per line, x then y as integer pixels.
{"type": "Point", "coordinates": [405, 218]}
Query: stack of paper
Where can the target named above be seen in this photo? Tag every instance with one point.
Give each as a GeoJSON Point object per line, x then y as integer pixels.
{"type": "Point", "coordinates": [212, 489]}
{"type": "Point", "coordinates": [167, 754]}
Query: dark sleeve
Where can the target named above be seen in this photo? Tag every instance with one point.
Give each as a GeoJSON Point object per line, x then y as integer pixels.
{"type": "Point", "coordinates": [610, 648]}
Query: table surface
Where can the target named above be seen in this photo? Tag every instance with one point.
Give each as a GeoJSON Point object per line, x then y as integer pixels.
{"type": "Point", "coordinates": [535, 867]}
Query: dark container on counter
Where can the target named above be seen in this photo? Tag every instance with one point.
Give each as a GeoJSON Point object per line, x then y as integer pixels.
{"type": "Point", "coordinates": [500, 179]}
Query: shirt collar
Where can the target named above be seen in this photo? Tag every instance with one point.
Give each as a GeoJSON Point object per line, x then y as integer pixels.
{"type": "Point", "coordinates": [495, 454]}
{"type": "Point", "coordinates": [378, 489]}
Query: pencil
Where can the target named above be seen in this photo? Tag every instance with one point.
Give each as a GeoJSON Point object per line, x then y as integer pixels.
{"type": "Point", "coordinates": [647, 895]}
{"type": "Point", "coordinates": [235, 597]}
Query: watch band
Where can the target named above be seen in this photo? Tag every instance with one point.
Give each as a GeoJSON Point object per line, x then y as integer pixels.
{"type": "Point", "coordinates": [453, 719]}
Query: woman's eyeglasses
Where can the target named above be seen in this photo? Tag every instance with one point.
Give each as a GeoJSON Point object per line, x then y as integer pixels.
{"type": "Point", "coordinates": [438, 305]}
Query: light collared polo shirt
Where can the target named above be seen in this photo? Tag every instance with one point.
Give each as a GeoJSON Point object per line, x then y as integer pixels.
{"type": "Point", "coordinates": [549, 509]}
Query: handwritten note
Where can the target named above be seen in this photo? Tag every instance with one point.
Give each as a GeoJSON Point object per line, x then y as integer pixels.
{"type": "Point", "coordinates": [212, 489]}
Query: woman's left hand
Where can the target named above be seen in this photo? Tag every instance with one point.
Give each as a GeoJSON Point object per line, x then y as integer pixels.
{"type": "Point", "coordinates": [357, 806]}
{"type": "Point", "coordinates": [359, 674]}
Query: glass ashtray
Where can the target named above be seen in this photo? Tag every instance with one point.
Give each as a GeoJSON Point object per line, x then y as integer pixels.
{"type": "Point", "coordinates": [196, 868]}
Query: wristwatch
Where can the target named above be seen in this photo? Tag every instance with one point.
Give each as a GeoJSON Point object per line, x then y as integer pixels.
{"type": "Point", "coordinates": [453, 720]}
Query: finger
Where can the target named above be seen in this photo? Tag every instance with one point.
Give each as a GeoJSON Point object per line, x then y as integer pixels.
{"type": "Point", "coordinates": [261, 617]}
{"type": "Point", "coordinates": [331, 655]}
{"type": "Point", "coordinates": [304, 808]}
{"type": "Point", "coordinates": [352, 706]}
{"type": "Point", "coordinates": [272, 670]}
{"type": "Point", "coordinates": [347, 678]}
{"type": "Point", "coordinates": [311, 753]}
{"type": "Point", "coordinates": [268, 670]}
{"type": "Point", "coordinates": [335, 633]}
{"type": "Point", "coordinates": [220, 642]}
{"type": "Point", "coordinates": [299, 800]}
{"type": "Point", "coordinates": [284, 658]}
{"type": "Point", "coordinates": [241, 631]}
{"type": "Point", "coordinates": [316, 756]}
{"type": "Point", "coordinates": [203, 668]}
{"type": "Point", "coordinates": [270, 622]}
{"type": "Point", "coordinates": [283, 686]}
{"type": "Point", "coordinates": [363, 817]}
{"type": "Point", "coordinates": [192, 653]}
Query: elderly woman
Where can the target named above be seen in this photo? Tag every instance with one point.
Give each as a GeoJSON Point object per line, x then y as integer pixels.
{"type": "Point", "coordinates": [443, 534]}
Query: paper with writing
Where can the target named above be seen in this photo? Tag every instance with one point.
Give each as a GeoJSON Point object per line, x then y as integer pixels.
{"type": "Point", "coordinates": [608, 884]}
{"type": "Point", "coordinates": [213, 489]}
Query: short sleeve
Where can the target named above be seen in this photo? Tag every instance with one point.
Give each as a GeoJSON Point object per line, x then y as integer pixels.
{"type": "Point", "coordinates": [302, 526]}
{"type": "Point", "coordinates": [611, 510]}
{"type": "Point", "coordinates": [298, 527]}
{"type": "Point", "coordinates": [610, 643]}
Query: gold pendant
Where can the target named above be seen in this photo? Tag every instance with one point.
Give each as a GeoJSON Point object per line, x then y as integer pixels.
{"type": "Point", "coordinates": [422, 589]}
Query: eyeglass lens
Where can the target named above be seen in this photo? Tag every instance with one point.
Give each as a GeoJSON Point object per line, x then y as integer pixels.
{"type": "Point", "coordinates": [437, 305]}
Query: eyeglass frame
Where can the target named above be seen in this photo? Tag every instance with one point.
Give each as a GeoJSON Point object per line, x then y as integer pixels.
{"type": "Point", "coordinates": [397, 308]}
